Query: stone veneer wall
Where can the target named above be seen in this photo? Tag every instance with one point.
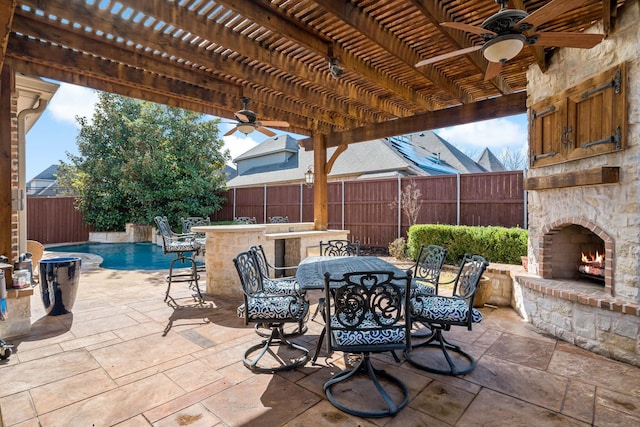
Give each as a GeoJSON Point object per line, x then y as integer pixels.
{"type": "Point", "coordinates": [614, 208]}
{"type": "Point", "coordinates": [605, 323]}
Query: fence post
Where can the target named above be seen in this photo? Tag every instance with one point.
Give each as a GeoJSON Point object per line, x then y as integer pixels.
{"type": "Point", "coordinates": [342, 203]}
{"type": "Point", "coordinates": [524, 203]}
{"type": "Point", "coordinates": [235, 189]}
{"type": "Point", "coordinates": [458, 198]}
{"type": "Point", "coordinates": [399, 207]}
{"type": "Point", "coordinates": [264, 205]}
{"type": "Point", "coordinates": [301, 199]}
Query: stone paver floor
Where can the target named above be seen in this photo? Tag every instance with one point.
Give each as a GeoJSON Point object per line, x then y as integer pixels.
{"type": "Point", "coordinates": [123, 357]}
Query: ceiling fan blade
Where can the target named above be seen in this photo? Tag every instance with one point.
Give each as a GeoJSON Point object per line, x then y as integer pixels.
{"type": "Point", "coordinates": [549, 11]}
{"type": "Point", "coordinates": [578, 40]}
{"type": "Point", "coordinates": [275, 124]}
{"type": "Point", "coordinates": [265, 131]}
{"type": "Point", "coordinates": [231, 132]}
{"type": "Point", "coordinates": [242, 117]}
{"type": "Point", "coordinates": [493, 69]}
{"type": "Point", "coordinates": [466, 27]}
{"type": "Point", "coordinates": [448, 55]}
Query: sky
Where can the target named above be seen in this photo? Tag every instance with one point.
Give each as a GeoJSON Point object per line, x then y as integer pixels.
{"type": "Point", "coordinates": [54, 134]}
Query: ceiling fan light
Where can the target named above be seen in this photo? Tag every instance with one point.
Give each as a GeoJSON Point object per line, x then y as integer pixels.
{"type": "Point", "coordinates": [246, 128]}
{"type": "Point", "coordinates": [503, 48]}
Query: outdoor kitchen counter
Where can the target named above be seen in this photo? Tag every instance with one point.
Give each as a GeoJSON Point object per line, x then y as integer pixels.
{"type": "Point", "coordinates": [284, 244]}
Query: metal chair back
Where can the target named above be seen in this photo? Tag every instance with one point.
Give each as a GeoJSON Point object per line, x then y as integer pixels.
{"type": "Point", "coordinates": [429, 264]}
{"type": "Point", "coordinates": [339, 248]}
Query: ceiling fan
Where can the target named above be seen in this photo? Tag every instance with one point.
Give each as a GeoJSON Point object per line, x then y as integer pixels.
{"type": "Point", "coordinates": [247, 123]}
{"type": "Point", "coordinates": [504, 34]}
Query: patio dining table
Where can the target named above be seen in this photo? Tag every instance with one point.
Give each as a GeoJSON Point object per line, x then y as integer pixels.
{"type": "Point", "coordinates": [310, 273]}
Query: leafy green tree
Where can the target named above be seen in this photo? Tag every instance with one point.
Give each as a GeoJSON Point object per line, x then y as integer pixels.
{"type": "Point", "coordinates": [138, 160]}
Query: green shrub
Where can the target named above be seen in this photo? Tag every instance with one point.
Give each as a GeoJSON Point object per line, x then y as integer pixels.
{"type": "Point", "coordinates": [496, 244]}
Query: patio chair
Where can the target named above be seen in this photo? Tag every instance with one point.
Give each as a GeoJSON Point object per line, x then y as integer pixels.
{"type": "Point", "coordinates": [273, 284]}
{"type": "Point", "coordinates": [340, 248]}
{"type": "Point", "coordinates": [336, 248]}
{"type": "Point", "coordinates": [273, 312]}
{"type": "Point", "coordinates": [245, 220]}
{"type": "Point", "coordinates": [426, 278]}
{"type": "Point", "coordinates": [180, 244]}
{"type": "Point", "coordinates": [365, 314]}
{"type": "Point", "coordinates": [276, 285]}
{"type": "Point", "coordinates": [192, 221]}
{"type": "Point", "coordinates": [278, 219]}
{"type": "Point", "coordinates": [440, 313]}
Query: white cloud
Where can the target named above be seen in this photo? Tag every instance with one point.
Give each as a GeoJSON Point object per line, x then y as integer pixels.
{"type": "Point", "coordinates": [493, 134]}
{"type": "Point", "coordinates": [238, 145]}
{"type": "Point", "coordinates": [71, 101]}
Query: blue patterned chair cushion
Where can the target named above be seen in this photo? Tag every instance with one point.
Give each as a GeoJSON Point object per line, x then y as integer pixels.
{"type": "Point", "coordinates": [366, 337]}
{"type": "Point", "coordinates": [273, 307]}
{"type": "Point", "coordinates": [443, 308]}
{"type": "Point", "coordinates": [281, 287]}
{"type": "Point", "coordinates": [182, 246]}
{"type": "Point", "coordinates": [421, 288]}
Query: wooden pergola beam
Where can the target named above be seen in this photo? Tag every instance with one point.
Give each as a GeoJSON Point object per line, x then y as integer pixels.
{"type": "Point", "coordinates": [503, 106]}
{"type": "Point", "coordinates": [265, 17]}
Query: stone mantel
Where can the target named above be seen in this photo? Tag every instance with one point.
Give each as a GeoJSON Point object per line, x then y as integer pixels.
{"type": "Point", "coordinates": [224, 242]}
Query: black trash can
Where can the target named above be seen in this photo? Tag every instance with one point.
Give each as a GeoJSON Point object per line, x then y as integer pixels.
{"type": "Point", "coordinates": [59, 279]}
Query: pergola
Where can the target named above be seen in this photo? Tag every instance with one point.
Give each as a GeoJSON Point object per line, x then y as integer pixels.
{"type": "Point", "coordinates": [339, 71]}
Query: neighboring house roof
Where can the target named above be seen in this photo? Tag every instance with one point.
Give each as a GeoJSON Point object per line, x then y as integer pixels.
{"type": "Point", "coordinates": [424, 154]}
{"type": "Point", "coordinates": [230, 172]}
{"type": "Point", "coordinates": [490, 162]}
{"type": "Point", "coordinates": [45, 183]}
{"type": "Point", "coordinates": [432, 144]}
{"type": "Point", "coordinates": [48, 174]}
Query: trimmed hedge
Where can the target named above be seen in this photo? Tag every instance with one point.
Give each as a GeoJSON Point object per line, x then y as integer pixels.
{"type": "Point", "coordinates": [497, 244]}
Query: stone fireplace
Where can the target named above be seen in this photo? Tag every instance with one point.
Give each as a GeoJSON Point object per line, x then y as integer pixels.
{"type": "Point", "coordinates": [585, 203]}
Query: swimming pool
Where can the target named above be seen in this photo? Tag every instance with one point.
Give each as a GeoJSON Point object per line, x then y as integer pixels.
{"type": "Point", "coordinates": [123, 256]}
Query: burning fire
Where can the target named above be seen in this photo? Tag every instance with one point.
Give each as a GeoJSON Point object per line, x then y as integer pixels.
{"type": "Point", "coordinates": [592, 265]}
{"type": "Point", "coordinates": [590, 259]}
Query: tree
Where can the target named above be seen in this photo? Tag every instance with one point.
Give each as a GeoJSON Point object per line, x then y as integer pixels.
{"type": "Point", "coordinates": [410, 200]}
{"type": "Point", "coordinates": [138, 160]}
{"type": "Point", "coordinates": [513, 159]}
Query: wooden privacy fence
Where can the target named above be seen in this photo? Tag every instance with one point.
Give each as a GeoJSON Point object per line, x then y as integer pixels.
{"type": "Point", "coordinates": [364, 207]}
{"type": "Point", "coordinates": [55, 220]}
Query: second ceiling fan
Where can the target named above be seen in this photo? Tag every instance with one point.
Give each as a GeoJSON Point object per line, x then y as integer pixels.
{"type": "Point", "coordinates": [504, 34]}
{"type": "Point", "coordinates": [247, 122]}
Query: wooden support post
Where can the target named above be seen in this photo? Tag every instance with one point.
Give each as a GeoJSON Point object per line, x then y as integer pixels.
{"type": "Point", "coordinates": [6, 91]}
{"type": "Point", "coordinates": [320, 197]}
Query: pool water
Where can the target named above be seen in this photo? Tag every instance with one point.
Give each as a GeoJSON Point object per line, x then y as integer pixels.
{"type": "Point", "coordinates": [124, 256]}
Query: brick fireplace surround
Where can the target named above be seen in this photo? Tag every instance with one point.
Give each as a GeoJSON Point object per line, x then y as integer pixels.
{"type": "Point", "coordinates": [603, 318]}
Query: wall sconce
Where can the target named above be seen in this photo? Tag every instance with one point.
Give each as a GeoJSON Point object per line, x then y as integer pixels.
{"type": "Point", "coordinates": [308, 177]}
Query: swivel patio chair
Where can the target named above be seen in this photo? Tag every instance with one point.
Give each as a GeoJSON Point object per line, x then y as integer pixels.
{"type": "Point", "coordinates": [193, 221]}
{"type": "Point", "coordinates": [365, 314]}
{"type": "Point", "coordinates": [276, 286]}
{"type": "Point", "coordinates": [440, 313]}
{"type": "Point", "coordinates": [274, 312]}
{"type": "Point", "coordinates": [180, 244]}
{"type": "Point", "coordinates": [336, 248]}
{"type": "Point", "coordinates": [340, 248]}
{"type": "Point", "coordinates": [426, 277]}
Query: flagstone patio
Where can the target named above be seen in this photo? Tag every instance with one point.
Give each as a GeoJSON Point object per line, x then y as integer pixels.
{"type": "Point", "coordinates": [123, 357]}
